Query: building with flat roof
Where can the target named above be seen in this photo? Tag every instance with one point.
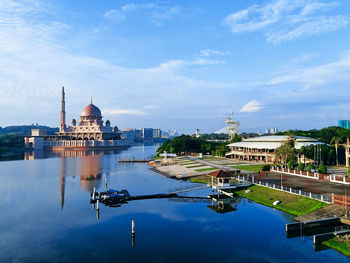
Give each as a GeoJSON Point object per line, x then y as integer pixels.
{"type": "Point", "coordinates": [147, 134]}
{"type": "Point", "coordinates": [263, 148]}
{"type": "Point", "coordinates": [344, 124]}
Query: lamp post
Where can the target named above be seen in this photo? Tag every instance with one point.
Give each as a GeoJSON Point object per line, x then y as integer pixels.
{"type": "Point", "coordinates": [346, 204]}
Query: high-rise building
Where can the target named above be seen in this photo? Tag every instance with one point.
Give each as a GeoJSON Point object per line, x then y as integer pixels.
{"type": "Point", "coordinates": [344, 124]}
{"type": "Point", "coordinates": [147, 134]}
{"type": "Point", "coordinates": [157, 133]}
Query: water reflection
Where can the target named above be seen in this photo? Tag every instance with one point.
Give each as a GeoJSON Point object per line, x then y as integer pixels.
{"type": "Point", "coordinates": [33, 228]}
{"type": "Point", "coordinates": [90, 169]}
{"type": "Point", "coordinates": [224, 205]}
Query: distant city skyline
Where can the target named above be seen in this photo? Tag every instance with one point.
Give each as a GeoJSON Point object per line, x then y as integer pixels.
{"type": "Point", "coordinates": [183, 64]}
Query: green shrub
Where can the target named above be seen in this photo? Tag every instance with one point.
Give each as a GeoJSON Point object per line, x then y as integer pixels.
{"type": "Point", "coordinates": [322, 168]}
{"type": "Point", "coordinates": [291, 164]}
{"type": "Point", "coordinates": [266, 167]}
{"type": "Point", "coordinates": [310, 167]}
{"type": "Point", "coordinates": [301, 167]}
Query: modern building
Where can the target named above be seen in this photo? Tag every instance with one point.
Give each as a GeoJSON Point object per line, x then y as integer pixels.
{"type": "Point", "coordinates": [128, 134]}
{"type": "Point", "coordinates": [263, 148]}
{"type": "Point", "coordinates": [271, 131]}
{"type": "Point", "coordinates": [90, 131]}
{"type": "Point", "coordinates": [344, 124]}
{"type": "Point", "coordinates": [147, 134]}
{"type": "Point", "coordinates": [157, 133]}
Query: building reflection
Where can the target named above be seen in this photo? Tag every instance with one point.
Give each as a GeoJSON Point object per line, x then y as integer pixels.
{"type": "Point", "coordinates": [90, 169]}
{"type": "Point", "coordinates": [223, 204]}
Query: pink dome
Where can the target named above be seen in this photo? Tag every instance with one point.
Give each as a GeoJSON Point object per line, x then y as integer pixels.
{"type": "Point", "coordinates": [91, 111]}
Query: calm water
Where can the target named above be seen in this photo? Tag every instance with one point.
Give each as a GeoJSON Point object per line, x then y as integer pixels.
{"type": "Point", "coordinates": [46, 217]}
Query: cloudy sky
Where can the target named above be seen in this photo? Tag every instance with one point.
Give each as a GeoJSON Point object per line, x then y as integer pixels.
{"type": "Point", "coordinates": [177, 64]}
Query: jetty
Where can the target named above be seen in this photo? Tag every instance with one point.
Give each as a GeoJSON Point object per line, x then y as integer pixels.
{"type": "Point", "coordinates": [321, 229]}
{"type": "Point", "coordinates": [133, 160]}
{"type": "Point", "coordinates": [115, 198]}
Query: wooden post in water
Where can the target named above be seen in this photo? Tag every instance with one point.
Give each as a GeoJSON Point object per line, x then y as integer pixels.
{"type": "Point", "coordinates": [93, 193]}
{"type": "Point", "coordinates": [106, 183]}
{"type": "Point", "coordinates": [133, 227]}
{"type": "Point", "coordinates": [133, 232]}
{"type": "Point", "coordinates": [97, 210]}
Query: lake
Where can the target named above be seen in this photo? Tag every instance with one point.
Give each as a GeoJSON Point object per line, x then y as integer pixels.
{"type": "Point", "coordinates": [46, 216]}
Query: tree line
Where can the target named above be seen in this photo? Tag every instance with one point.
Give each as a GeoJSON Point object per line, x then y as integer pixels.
{"type": "Point", "coordinates": [186, 144]}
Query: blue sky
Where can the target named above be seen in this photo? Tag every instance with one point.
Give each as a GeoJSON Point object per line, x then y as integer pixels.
{"type": "Point", "coordinates": [177, 64]}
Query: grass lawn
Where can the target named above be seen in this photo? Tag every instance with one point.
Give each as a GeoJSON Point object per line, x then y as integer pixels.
{"type": "Point", "coordinates": [292, 204]}
{"type": "Point", "coordinates": [197, 165]}
{"type": "Point", "coordinates": [250, 168]}
{"type": "Point", "coordinates": [340, 246]}
{"type": "Point", "coordinates": [211, 158]}
{"type": "Point", "coordinates": [206, 169]}
{"type": "Point", "coordinates": [231, 163]}
{"type": "Point", "coordinates": [185, 163]}
{"type": "Point", "coordinates": [189, 163]}
{"type": "Point", "coordinates": [199, 180]}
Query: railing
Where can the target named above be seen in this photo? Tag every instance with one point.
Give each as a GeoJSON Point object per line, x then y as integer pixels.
{"type": "Point", "coordinates": [327, 198]}
{"type": "Point", "coordinates": [318, 176]}
{"type": "Point", "coordinates": [341, 228]}
{"type": "Point", "coordinates": [341, 200]}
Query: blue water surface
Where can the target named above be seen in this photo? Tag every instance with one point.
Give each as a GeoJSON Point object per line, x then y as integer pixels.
{"type": "Point", "coordinates": [46, 216]}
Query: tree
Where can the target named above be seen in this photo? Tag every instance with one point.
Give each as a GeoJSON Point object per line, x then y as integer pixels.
{"type": "Point", "coordinates": [301, 166]}
{"type": "Point", "coordinates": [310, 167]}
{"type": "Point", "coordinates": [266, 167]}
{"type": "Point", "coordinates": [336, 140]}
{"type": "Point", "coordinates": [286, 151]}
{"type": "Point", "coordinates": [322, 168]}
{"type": "Point", "coordinates": [291, 164]}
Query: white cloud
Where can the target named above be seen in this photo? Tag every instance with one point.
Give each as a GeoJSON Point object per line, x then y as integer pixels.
{"type": "Point", "coordinates": [115, 15]}
{"type": "Point", "coordinates": [284, 20]}
{"type": "Point", "coordinates": [317, 75]}
{"type": "Point", "coordinates": [314, 27]}
{"type": "Point", "coordinates": [204, 62]}
{"type": "Point", "coordinates": [212, 52]}
{"type": "Point", "coordinates": [134, 7]}
{"type": "Point", "coordinates": [252, 106]}
{"type": "Point", "coordinates": [157, 13]}
{"type": "Point", "coordinates": [124, 112]}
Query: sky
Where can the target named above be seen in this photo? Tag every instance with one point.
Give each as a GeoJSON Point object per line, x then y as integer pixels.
{"type": "Point", "coordinates": [177, 64]}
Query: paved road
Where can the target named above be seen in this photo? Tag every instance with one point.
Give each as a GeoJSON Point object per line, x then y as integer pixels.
{"type": "Point", "coordinates": [305, 184]}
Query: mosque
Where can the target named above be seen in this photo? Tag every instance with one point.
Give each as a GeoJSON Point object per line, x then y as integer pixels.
{"type": "Point", "coordinates": [90, 131]}
{"type": "Point", "coordinates": [90, 126]}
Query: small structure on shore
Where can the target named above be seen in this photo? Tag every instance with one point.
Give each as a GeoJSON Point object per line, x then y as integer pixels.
{"type": "Point", "coordinates": [221, 179]}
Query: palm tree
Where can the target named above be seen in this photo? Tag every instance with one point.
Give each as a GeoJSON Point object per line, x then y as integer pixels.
{"type": "Point", "coordinates": [336, 140]}
{"type": "Point", "coordinates": [286, 151]}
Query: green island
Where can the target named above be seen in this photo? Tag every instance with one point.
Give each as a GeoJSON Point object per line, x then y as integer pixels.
{"type": "Point", "coordinates": [292, 204]}
{"type": "Point", "coordinates": [340, 244]}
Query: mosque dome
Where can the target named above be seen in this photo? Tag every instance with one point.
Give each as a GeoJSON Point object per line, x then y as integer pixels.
{"type": "Point", "coordinates": [91, 111]}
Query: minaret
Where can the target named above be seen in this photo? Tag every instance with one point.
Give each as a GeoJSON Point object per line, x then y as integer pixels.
{"type": "Point", "coordinates": [63, 112]}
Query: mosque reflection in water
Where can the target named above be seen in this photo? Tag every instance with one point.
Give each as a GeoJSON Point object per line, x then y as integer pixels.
{"type": "Point", "coordinates": [90, 172]}
{"type": "Point", "coordinates": [90, 169]}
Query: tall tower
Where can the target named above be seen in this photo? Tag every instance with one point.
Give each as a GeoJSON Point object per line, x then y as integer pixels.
{"type": "Point", "coordinates": [63, 112]}
{"type": "Point", "coordinates": [232, 126]}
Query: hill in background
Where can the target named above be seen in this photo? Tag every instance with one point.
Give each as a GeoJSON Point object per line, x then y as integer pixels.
{"type": "Point", "coordinates": [26, 129]}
